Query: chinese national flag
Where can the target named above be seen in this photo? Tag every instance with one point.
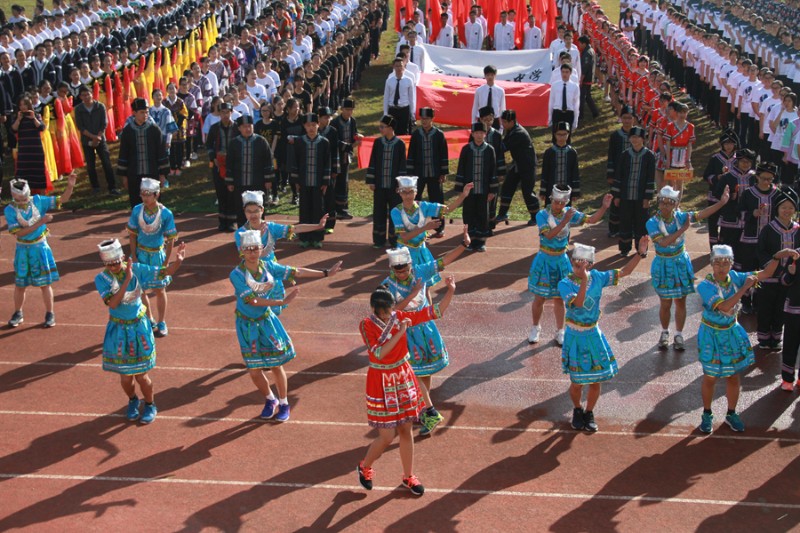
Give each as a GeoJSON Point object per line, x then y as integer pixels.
{"type": "Point", "coordinates": [452, 97]}
{"type": "Point", "coordinates": [455, 140]}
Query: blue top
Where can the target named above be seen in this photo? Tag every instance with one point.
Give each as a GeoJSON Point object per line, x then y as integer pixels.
{"type": "Point", "coordinates": [714, 293]}
{"type": "Point", "coordinates": [14, 213]}
{"type": "Point", "coordinates": [165, 231]}
{"type": "Point", "coordinates": [560, 242]}
{"type": "Point", "coordinates": [405, 221]}
{"type": "Point", "coordinates": [131, 307]}
{"type": "Point", "coordinates": [274, 232]}
{"type": "Point", "coordinates": [162, 116]}
{"type": "Point", "coordinates": [657, 224]}
{"type": "Point", "coordinates": [268, 271]}
{"type": "Point", "coordinates": [589, 314]}
{"type": "Point", "coordinates": [401, 289]}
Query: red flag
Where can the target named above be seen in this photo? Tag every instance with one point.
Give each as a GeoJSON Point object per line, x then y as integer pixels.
{"type": "Point", "coordinates": [397, 5]}
{"type": "Point", "coordinates": [460, 15]}
{"type": "Point", "coordinates": [539, 11]}
{"type": "Point", "coordinates": [435, 17]}
{"type": "Point", "coordinates": [451, 96]}
{"type": "Point", "coordinates": [552, 31]}
{"type": "Point", "coordinates": [455, 140]}
{"type": "Point", "coordinates": [492, 14]}
{"type": "Point", "coordinates": [521, 6]}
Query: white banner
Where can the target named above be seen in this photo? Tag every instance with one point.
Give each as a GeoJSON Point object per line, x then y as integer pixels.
{"type": "Point", "coordinates": [527, 66]}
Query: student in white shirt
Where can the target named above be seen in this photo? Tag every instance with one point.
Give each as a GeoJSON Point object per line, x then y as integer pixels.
{"type": "Point", "coordinates": [445, 37]}
{"type": "Point", "coordinates": [416, 53]}
{"type": "Point", "coordinates": [419, 27]}
{"type": "Point", "coordinates": [565, 59]}
{"type": "Point", "coordinates": [533, 35]}
{"type": "Point", "coordinates": [503, 34]}
{"type": "Point", "coordinates": [564, 104]}
{"type": "Point", "coordinates": [400, 98]}
{"type": "Point", "coordinates": [557, 45]}
{"type": "Point", "coordinates": [411, 69]}
{"type": "Point", "coordinates": [570, 47]}
{"type": "Point", "coordinates": [489, 94]}
{"type": "Point", "coordinates": [473, 32]}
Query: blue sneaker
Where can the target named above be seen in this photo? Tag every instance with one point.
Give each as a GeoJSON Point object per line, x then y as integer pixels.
{"type": "Point", "coordinates": [132, 413]}
{"type": "Point", "coordinates": [283, 413]}
{"type": "Point", "coordinates": [707, 423]}
{"type": "Point", "coordinates": [162, 329]}
{"type": "Point", "coordinates": [149, 413]}
{"type": "Point", "coordinates": [270, 408]}
{"type": "Point", "coordinates": [733, 420]}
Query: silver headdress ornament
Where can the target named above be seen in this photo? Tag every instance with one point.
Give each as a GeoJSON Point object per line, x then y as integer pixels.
{"type": "Point", "coordinates": [406, 182]}
{"type": "Point", "coordinates": [582, 252]}
{"type": "Point", "coordinates": [668, 193]}
{"type": "Point", "coordinates": [111, 251]}
{"type": "Point", "coordinates": [253, 197]}
{"type": "Point", "coordinates": [561, 194]}
{"type": "Point", "coordinates": [399, 256]}
{"type": "Point", "coordinates": [721, 252]}
{"type": "Point", "coordinates": [20, 190]}
{"type": "Point", "coordinates": [150, 185]}
{"type": "Point", "coordinates": [251, 239]}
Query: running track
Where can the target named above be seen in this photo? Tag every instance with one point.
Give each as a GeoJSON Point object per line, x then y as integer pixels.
{"type": "Point", "coordinates": [506, 460]}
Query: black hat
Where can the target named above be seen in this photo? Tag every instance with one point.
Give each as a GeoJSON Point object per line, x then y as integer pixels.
{"type": "Point", "coordinates": [485, 111]}
{"type": "Point", "coordinates": [225, 106]}
{"type": "Point", "coordinates": [638, 131]}
{"type": "Point", "coordinates": [310, 118]}
{"type": "Point", "coordinates": [348, 103]}
{"type": "Point", "coordinates": [729, 136]}
{"type": "Point", "coordinates": [244, 119]}
{"type": "Point", "coordinates": [772, 168]}
{"type": "Point", "coordinates": [626, 110]}
{"type": "Point", "coordinates": [388, 120]}
{"type": "Point", "coordinates": [787, 194]}
{"type": "Point", "coordinates": [509, 114]}
{"type": "Point", "coordinates": [563, 126]}
{"type": "Point", "coordinates": [479, 126]}
{"type": "Point", "coordinates": [324, 111]}
{"type": "Point", "coordinates": [425, 112]}
{"type": "Point", "coordinates": [139, 104]}
{"type": "Point", "coordinates": [746, 154]}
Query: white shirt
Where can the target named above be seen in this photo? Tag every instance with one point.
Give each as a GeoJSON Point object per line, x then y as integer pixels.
{"type": "Point", "coordinates": [503, 36]}
{"type": "Point", "coordinates": [473, 35]}
{"type": "Point", "coordinates": [412, 70]}
{"type": "Point", "coordinates": [533, 38]}
{"type": "Point", "coordinates": [259, 92]}
{"type": "Point", "coordinates": [573, 100]}
{"type": "Point", "coordinates": [303, 50]}
{"type": "Point", "coordinates": [407, 94]}
{"type": "Point", "coordinates": [416, 56]}
{"type": "Point", "coordinates": [244, 108]}
{"type": "Point", "coordinates": [576, 58]}
{"type": "Point", "coordinates": [481, 99]}
{"type": "Point", "coordinates": [212, 80]}
{"type": "Point", "coordinates": [422, 33]}
{"type": "Point", "coordinates": [556, 76]}
{"type": "Point", "coordinates": [445, 37]}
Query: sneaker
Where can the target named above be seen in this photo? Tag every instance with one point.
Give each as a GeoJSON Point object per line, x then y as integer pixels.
{"type": "Point", "coordinates": [775, 345]}
{"type": "Point", "coordinates": [132, 413]}
{"type": "Point", "coordinates": [16, 319]}
{"type": "Point", "coordinates": [276, 200]}
{"type": "Point", "coordinates": [747, 308]}
{"type": "Point", "coordinates": [678, 343]}
{"type": "Point", "coordinates": [295, 200]}
{"type": "Point", "coordinates": [344, 215]}
{"type": "Point", "coordinates": [532, 222]}
{"type": "Point", "coordinates": [96, 191]}
{"type": "Point", "coordinates": [317, 244]}
{"type": "Point", "coordinates": [624, 253]}
{"type": "Point", "coordinates": [429, 422]}
{"type": "Point", "coordinates": [162, 329]}
{"type": "Point", "coordinates": [479, 248]}
{"type": "Point", "coordinates": [187, 164]}
{"type": "Point", "coordinates": [788, 386]}
{"type": "Point", "coordinates": [305, 244]}
{"type": "Point", "coordinates": [365, 475]}
{"type": "Point", "coordinates": [577, 418]}
{"type": "Point", "coordinates": [707, 423]}
{"type": "Point", "coordinates": [533, 336]}
{"type": "Point", "coordinates": [560, 337]}
{"type": "Point", "coordinates": [588, 422]}
{"type": "Point", "coordinates": [328, 231]}
{"type": "Point", "coordinates": [154, 324]}
{"type": "Point", "coordinates": [764, 345]}
{"type": "Point", "coordinates": [607, 99]}
{"type": "Point", "coordinates": [378, 246]}
{"type": "Point", "coordinates": [166, 184]}
{"type": "Point", "coordinates": [49, 319]}
{"type": "Point", "coordinates": [270, 408]}
{"type": "Point", "coordinates": [115, 192]}
{"type": "Point", "coordinates": [149, 413]}
{"type": "Point", "coordinates": [412, 483]}
{"type": "Point", "coordinates": [663, 340]}
{"type": "Point", "coordinates": [193, 156]}
{"type": "Point", "coordinates": [733, 420]}
{"type": "Point", "coordinates": [501, 218]}
{"type": "Point", "coordinates": [283, 413]}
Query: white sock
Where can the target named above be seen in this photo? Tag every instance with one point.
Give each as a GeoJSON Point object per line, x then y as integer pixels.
{"type": "Point", "coordinates": [679, 333]}
{"type": "Point", "coordinates": [283, 401]}
{"type": "Point", "coordinates": [665, 331]}
{"type": "Point", "coordinates": [270, 396]}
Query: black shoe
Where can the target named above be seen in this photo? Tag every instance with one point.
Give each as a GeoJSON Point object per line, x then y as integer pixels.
{"type": "Point", "coordinates": [365, 476]}
{"type": "Point", "coordinates": [230, 228]}
{"type": "Point", "coordinates": [577, 418]}
{"type": "Point", "coordinates": [344, 215]}
{"type": "Point", "coordinates": [16, 319]}
{"type": "Point", "coordinates": [295, 200]}
{"type": "Point", "coordinates": [115, 192]}
{"type": "Point", "coordinates": [49, 319]}
{"type": "Point", "coordinates": [96, 191]}
{"type": "Point", "coordinates": [613, 234]}
{"type": "Point", "coordinates": [747, 308]}
{"type": "Point", "coordinates": [624, 253]}
{"type": "Point", "coordinates": [532, 222]}
{"type": "Point", "coordinates": [588, 422]}
{"type": "Point", "coordinates": [501, 218]}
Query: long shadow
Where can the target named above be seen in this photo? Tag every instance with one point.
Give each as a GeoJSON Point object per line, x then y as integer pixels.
{"type": "Point", "coordinates": [352, 361]}
{"type": "Point", "coordinates": [440, 515]}
{"type": "Point", "coordinates": [79, 498]}
{"type": "Point", "coordinates": [23, 376]}
{"type": "Point", "coordinates": [544, 410]}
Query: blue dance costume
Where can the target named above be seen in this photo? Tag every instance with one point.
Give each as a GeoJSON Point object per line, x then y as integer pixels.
{"type": "Point", "coordinates": [152, 231]}
{"type": "Point", "coordinates": [263, 341]}
{"type": "Point", "coordinates": [422, 213]}
{"type": "Point", "coordinates": [671, 271]}
{"type": "Point", "coordinates": [551, 265]}
{"type": "Point", "coordinates": [34, 264]}
{"type": "Point", "coordinates": [273, 233]}
{"type": "Point", "coordinates": [129, 347]}
{"type": "Point", "coordinates": [428, 354]}
{"type": "Point", "coordinates": [586, 355]}
{"type": "Point", "coordinates": [722, 343]}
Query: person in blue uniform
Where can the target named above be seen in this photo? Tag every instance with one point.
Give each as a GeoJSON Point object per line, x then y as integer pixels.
{"type": "Point", "coordinates": [586, 355]}
{"type": "Point", "coordinates": [723, 346]}
{"type": "Point", "coordinates": [152, 233]}
{"type": "Point", "coordinates": [129, 348]}
{"type": "Point", "coordinates": [550, 264]}
{"type": "Point", "coordinates": [671, 271]}
{"type": "Point", "coordinates": [34, 265]}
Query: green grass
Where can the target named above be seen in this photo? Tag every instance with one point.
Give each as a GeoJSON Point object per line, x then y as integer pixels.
{"type": "Point", "coordinates": [193, 192]}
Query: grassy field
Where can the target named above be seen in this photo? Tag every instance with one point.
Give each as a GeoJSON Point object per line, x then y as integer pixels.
{"type": "Point", "coordinates": [194, 192]}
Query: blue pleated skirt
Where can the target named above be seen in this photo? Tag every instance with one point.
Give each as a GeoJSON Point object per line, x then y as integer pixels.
{"type": "Point", "coordinates": [587, 357]}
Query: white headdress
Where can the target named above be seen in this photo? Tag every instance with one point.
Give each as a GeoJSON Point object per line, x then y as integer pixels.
{"type": "Point", "coordinates": [561, 193]}
{"type": "Point", "coordinates": [150, 185]}
{"type": "Point", "coordinates": [582, 252]}
{"type": "Point", "coordinates": [253, 197]}
{"type": "Point", "coordinates": [251, 239]}
{"type": "Point", "coordinates": [721, 251]}
{"type": "Point", "coordinates": [399, 256]}
{"type": "Point", "coordinates": [406, 182]}
{"type": "Point", "coordinates": [20, 190]}
{"type": "Point", "coordinates": [668, 193]}
{"type": "Point", "coordinates": [111, 251]}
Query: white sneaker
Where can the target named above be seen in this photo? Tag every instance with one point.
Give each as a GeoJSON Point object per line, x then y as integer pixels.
{"type": "Point", "coordinates": [193, 156]}
{"type": "Point", "coordinates": [663, 341]}
{"type": "Point", "coordinates": [679, 344]}
{"type": "Point", "coordinates": [187, 164]}
{"type": "Point", "coordinates": [533, 337]}
{"type": "Point", "coordinates": [607, 99]}
{"type": "Point", "coordinates": [560, 337]}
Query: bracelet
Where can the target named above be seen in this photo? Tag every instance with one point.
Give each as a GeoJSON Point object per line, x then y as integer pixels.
{"type": "Point", "coordinates": [325, 271]}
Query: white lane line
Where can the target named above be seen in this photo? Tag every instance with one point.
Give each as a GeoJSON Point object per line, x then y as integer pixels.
{"type": "Point", "coordinates": [435, 490]}
{"type": "Point", "coordinates": [637, 434]}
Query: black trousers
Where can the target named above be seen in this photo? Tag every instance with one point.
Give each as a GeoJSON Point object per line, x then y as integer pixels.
{"type": "Point", "coordinates": [771, 297]}
{"type": "Point", "coordinates": [402, 116]}
{"type": "Point", "coordinates": [330, 203]}
{"type": "Point", "coordinates": [134, 186]}
{"type": "Point", "coordinates": [713, 226]}
{"type": "Point", "coordinates": [613, 219]}
{"type": "Point", "coordinates": [562, 116]}
{"type": "Point", "coordinates": [90, 154]}
{"type": "Point", "coordinates": [513, 180]}
{"type": "Point", "coordinates": [312, 207]}
{"type": "Point", "coordinates": [791, 343]}
{"type": "Point", "coordinates": [632, 223]}
{"type": "Point", "coordinates": [226, 201]}
{"type": "Point", "coordinates": [435, 193]}
{"type": "Point", "coordinates": [176, 157]}
{"type": "Point", "coordinates": [586, 99]}
{"type": "Point", "coordinates": [476, 217]}
{"type": "Point", "coordinates": [342, 187]}
{"type": "Point", "coordinates": [383, 200]}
